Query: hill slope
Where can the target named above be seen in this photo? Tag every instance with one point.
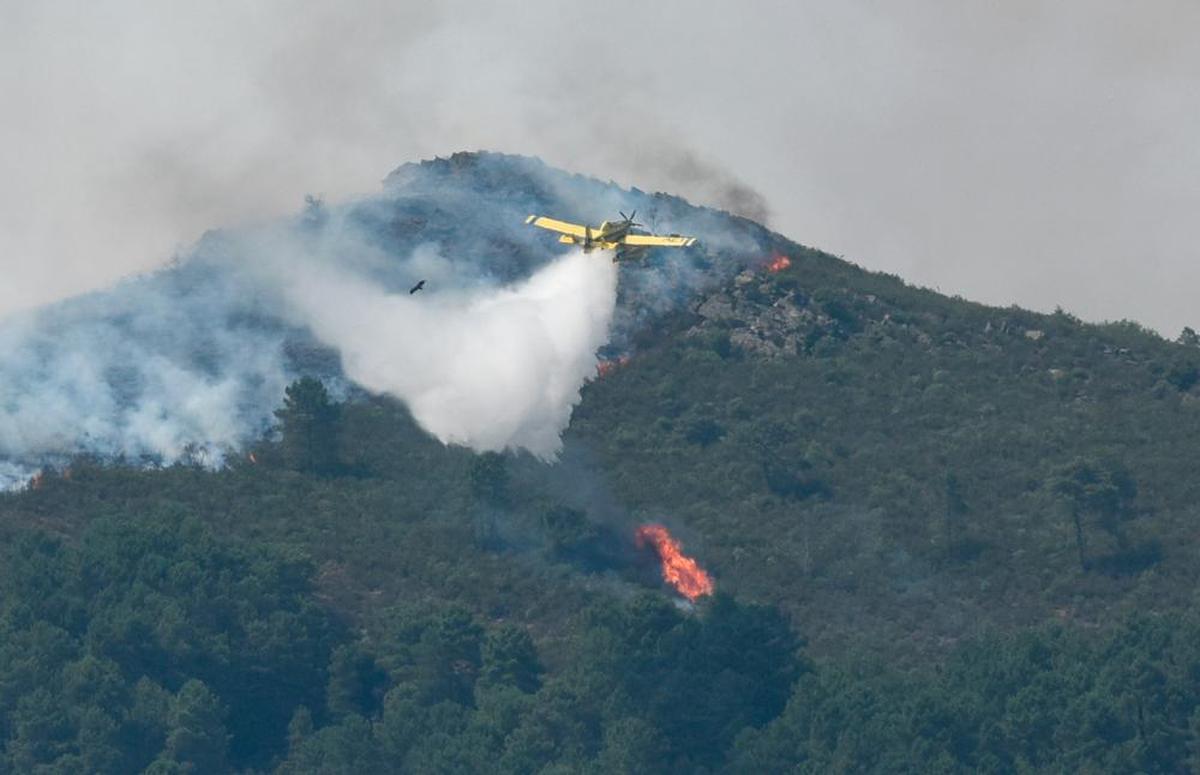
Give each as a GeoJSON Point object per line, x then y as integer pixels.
{"type": "Point", "coordinates": [882, 461]}
{"type": "Point", "coordinates": [893, 470]}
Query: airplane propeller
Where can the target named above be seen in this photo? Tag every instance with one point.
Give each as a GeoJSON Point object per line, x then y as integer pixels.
{"type": "Point", "coordinates": [629, 218]}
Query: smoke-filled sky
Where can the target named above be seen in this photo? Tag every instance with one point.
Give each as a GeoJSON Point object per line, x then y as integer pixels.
{"type": "Point", "coordinates": [1013, 152]}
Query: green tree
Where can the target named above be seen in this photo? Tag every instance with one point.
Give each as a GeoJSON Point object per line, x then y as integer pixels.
{"type": "Point", "coordinates": [632, 746]}
{"type": "Point", "coordinates": [346, 748]}
{"type": "Point", "coordinates": [147, 721]}
{"type": "Point", "coordinates": [1099, 493]}
{"type": "Point", "coordinates": [448, 657]}
{"type": "Point", "coordinates": [197, 738]}
{"type": "Point", "coordinates": [955, 512]}
{"type": "Point", "coordinates": [570, 535]}
{"type": "Point", "coordinates": [355, 682]}
{"type": "Point", "coordinates": [490, 480]}
{"type": "Point", "coordinates": [510, 659]}
{"type": "Point", "coordinates": [309, 423]}
{"type": "Point", "coordinates": [299, 728]}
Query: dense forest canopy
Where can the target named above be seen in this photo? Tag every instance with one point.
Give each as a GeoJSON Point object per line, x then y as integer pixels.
{"type": "Point", "coordinates": [943, 537]}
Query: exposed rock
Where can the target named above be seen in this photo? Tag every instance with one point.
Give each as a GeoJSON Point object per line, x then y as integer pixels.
{"type": "Point", "coordinates": [716, 308]}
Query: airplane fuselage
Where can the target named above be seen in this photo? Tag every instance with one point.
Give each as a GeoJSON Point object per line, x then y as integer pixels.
{"type": "Point", "coordinates": [617, 236]}
{"type": "Point", "coordinates": [611, 232]}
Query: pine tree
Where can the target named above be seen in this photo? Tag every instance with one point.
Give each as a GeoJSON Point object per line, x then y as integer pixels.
{"type": "Point", "coordinates": [197, 738]}
{"type": "Point", "coordinates": [309, 423]}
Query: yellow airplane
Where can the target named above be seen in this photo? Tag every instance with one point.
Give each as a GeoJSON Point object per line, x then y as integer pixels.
{"type": "Point", "coordinates": [620, 236]}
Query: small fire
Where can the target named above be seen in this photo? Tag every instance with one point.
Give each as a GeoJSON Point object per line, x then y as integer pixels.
{"type": "Point", "coordinates": [36, 482]}
{"type": "Point", "coordinates": [680, 571]}
{"type": "Point", "coordinates": [252, 458]}
{"type": "Point", "coordinates": [604, 368]}
{"type": "Point", "coordinates": [778, 263]}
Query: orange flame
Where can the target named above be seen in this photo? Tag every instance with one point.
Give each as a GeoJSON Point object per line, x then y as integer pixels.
{"type": "Point", "coordinates": [252, 458]}
{"type": "Point", "coordinates": [680, 571]}
{"type": "Point", "coordinates": [604, 368]}
{"type": "Point", "coordinates": [778, 263]}
{"type": "Point", "coordinates": [35, 483]}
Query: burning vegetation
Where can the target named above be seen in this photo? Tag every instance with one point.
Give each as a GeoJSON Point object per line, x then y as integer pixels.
{"type": "Point", "coordinates": [608, 366]}
{"type": "Point", "coordinates": [680, 571]}
{"type": "Point", "coordinates": [778, 263]}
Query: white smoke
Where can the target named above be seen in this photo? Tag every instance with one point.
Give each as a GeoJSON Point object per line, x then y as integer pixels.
{"type": "Point", "coordinates": [147, 372]}
{"type": "Point", "coordinates": [488, 368]}
{"type": "Point", "coordinates": [188, 364]}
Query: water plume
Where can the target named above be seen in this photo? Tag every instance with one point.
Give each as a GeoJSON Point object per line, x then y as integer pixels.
{"type": "Point", "coordinates": [488, 368]}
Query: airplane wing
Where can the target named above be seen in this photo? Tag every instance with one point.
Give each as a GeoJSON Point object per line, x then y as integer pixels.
{"type": "Point", "coordinates": [673, 241]}
{"type": "Point", "coordinates": [541, 221]}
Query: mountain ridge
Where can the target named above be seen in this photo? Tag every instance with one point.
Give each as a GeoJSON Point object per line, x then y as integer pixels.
{"type": "Point", "coordinates": [721, 313]}
{"type": "Point", "coordinates": [924, 517]}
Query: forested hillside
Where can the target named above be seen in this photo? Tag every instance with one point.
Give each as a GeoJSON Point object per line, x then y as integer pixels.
{"type": "Point", "coordinates": [944, 537]}
{"type": "Point", "coordinates": [894, 466]}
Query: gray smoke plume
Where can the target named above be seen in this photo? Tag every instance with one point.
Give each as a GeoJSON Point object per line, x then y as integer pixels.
{"type": "Point", "coordinates": [188, 363]}
{"type": "Point", "coordinates": [1021, 152]}
{"type": "Point", "coordinates": [158, 368]}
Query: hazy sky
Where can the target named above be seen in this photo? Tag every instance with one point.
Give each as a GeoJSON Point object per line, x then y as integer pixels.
{"type": "Point", "coordinates": [1013, 152]}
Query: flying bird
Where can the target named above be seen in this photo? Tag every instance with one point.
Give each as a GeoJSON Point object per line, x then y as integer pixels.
{"type": "Point", "coordinates": [416, 288]}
